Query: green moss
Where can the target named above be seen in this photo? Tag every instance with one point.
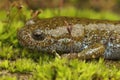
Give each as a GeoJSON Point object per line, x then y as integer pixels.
{"type": "Point", "coordinates": [22, 66]}
{"type": "Point", "coordinates": [4, 64]}
{"type": "Point", "coordinates": [75, 69]}
{"type": "Point", "coordinates": [8, 78]}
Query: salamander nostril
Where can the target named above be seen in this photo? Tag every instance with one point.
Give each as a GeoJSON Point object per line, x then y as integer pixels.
{"type": "Point", "coordinates": [38, 34]}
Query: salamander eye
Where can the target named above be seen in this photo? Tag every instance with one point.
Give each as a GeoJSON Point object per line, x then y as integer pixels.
{"type": "Point", "coordinates": [38, 34]}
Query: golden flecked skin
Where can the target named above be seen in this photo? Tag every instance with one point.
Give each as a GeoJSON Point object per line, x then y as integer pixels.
{"type": "Point", "coordinates": [87, 38]}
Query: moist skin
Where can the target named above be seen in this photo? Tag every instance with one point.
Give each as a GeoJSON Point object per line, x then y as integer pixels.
{"type": "Point", "coordinates": [72, 37]}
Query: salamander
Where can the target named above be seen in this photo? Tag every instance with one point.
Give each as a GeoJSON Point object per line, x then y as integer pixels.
{"type": "Point", "coordinates": [72, 37]}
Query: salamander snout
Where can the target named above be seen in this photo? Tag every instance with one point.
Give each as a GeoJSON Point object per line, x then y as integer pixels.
{"type": "Point", "coordinates": [38, 34]}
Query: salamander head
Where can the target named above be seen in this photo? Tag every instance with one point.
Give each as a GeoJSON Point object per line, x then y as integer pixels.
{"type": "Point", "coordinates": [42, 37]}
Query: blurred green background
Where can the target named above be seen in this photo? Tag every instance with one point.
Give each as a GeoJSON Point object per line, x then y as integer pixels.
{"type": "Point", "coordinates": [94, 9]}
{"type": "Point", "coordinates": [97, 5]}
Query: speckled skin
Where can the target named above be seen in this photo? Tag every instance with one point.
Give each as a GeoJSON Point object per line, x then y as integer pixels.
{"type": "Point", "coordinates": [72, 37]}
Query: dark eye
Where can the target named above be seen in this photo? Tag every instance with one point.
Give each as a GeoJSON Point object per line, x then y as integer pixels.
{"type": "Point", "coordinates": [38, 34]}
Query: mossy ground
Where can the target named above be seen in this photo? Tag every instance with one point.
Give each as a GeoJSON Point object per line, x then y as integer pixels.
{"type": "Point", "coordinates": [18, 63]}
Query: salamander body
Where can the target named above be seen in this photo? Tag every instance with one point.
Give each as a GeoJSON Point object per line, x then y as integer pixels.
{"type": "Point", "coordinates": [72, 37]}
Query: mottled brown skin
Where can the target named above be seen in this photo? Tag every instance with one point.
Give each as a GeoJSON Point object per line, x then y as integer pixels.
{"type": "Point", "coordinates": [72, 37]}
